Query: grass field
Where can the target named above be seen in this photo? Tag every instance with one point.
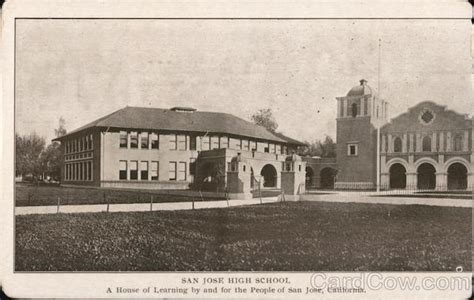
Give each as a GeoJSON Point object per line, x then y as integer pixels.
{"type": "Point", "coordinates": [31, 195]}
{"type": "Point", "coordinates": [304, 236]}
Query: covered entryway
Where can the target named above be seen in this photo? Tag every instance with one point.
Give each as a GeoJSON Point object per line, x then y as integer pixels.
{"type": "Point", "coordinates": [309, 177]}
{"type": "Point", "coordinates": [269, 176]}
{"type": "Point", "coordinates": [457, 177]}
{"type": "Point", "coordinates": [327, 178]}
{"type": "Point", "coordinates": [212, 177]}
{"type": "Point", "coordinates": [426, 177]}
{"type": "Point", "coordinates": [398, 177]}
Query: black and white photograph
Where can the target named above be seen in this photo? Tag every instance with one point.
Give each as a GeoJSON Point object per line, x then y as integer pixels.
{"type": "Point", "coordinates": [231, 146]}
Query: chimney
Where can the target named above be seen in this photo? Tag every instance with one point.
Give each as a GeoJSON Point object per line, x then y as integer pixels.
{"type": "Point", "coordinates": [363, 82]}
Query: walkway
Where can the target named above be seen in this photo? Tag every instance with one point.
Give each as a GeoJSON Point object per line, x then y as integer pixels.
{"type": "Point", "coordinates": [52, 209]}
{"type": "Point", "coordinates": [342, 197]}
{"type": "Point", "coordinates": [384, 198]}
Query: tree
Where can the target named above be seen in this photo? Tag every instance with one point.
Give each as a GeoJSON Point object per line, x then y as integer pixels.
{"type": "Point", "coordinates": [264, 117]}
{"type": "Point", "coordinates": [327, 148]}
{"type": "Point", "coordinates": [51, 158]}
{"type": "Point", "coordinates": [28, 154]}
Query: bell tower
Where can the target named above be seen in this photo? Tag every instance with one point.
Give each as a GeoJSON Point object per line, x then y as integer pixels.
{"type": "Point", "coordinates": [358, 115]}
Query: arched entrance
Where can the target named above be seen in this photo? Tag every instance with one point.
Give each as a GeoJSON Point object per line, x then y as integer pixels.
{"type": "Point", "coordinates": [211, 177]}
{"type": "Point", "coordinates": [398, 177]}
{"type": "Point", "coordinates": [426, 177]}
{"type": "Point", "coordinates": [457, 177]}
{"type": "Point", "coordinates": [327, 178]}
{"type": "Point", "coordinates": [269, 176]}
{"type": "Point", "coordinates": [309, 177]}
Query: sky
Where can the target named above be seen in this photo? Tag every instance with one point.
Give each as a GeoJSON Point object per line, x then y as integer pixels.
{"type": "Point", "coordinates": [82, 70]}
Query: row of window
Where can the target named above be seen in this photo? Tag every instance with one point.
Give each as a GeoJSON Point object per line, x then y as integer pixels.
{"type": "Point", "coordinates": [142, 140]}
{"type": "Point", "coordinates": [426, 144]}
{"type": "Point", "coordinates": [128, 170]}
{"type": "Point", "coordinates": [147, 140]}
{"type": "Point", "coordinates": [83, 143]}
{"type": "Point", "coordinates": [79, 171]}
{"type": "Point", "coordinates": [78, 156]}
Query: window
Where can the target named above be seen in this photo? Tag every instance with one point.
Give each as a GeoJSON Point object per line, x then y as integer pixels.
{"type": "Point", "coordinates": [123, 139]}
{"type": "Point", "coordinates": [86, 143]}
{"type": "Point", "coordinates": [172, 141]}
{"type": "Point", "coordinates": [81, 170]}
{"type": "Point", "coordinates": [154, 170]}
{"type": "Point", "coordinates": [133, 140]}
{"type": "Point", "coordinates": [278, 149]}
{"type": "Point", "coordinates": [123, 170]}
{"type": "Point", "coordinates": [272, 148]}
{"type": "Point", "coordinates": [426, 144]}
{"type": "Point", "coordinates": [284, 150]}
{"type": "Point", "coordinates": [134, 170]}
{"type": "Point", "coordinates": [266, 148]}
{"type": "Point", "coordinates": [224, 142]}
{"type": "Point", "coordinates": [245, 145]}
{"type": "Point", "coordinates": [181, 142]}
{"type": "Point", "coordinates": [182, 171]}
{"type": "Point", "coordinates": [458, 142]}
{"type": "Point", "coordinates": [91, 142]}
{"type": "Point", "coordinates": [192, 166]}
{"type": "Point", "coordinates": [205, 143]}
{"type": "Point", "coordinates": [352, 149]}
{"type": "Point", "coordinates": [235, 144]}
{"type": "Point", "coordinates": [144, 140]}
{"type": "Point", "coordinates": [90, 170]}
{"type": "Point", "coordinates": [155, 142]}
{"type": "Point", "coordinates": [172, 171]}
{"type": "Point", "coordinates": [144, 170]}
{"type": "Point", "coordinates": [86, 170]}
{"type": "Point", "coordinates": [253, 146]}
{"type": "Point", "coordinates": [397, 145]}
{"type": "Point", "coordinates": [192, 143]}
{"type": "Point", "coordinates": [215, 142]}
{"type": "Point", "coordinates": [354, 110]}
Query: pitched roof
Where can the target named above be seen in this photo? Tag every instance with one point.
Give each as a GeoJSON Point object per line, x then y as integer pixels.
{"type": "Point", "coordinates": [175, 120]}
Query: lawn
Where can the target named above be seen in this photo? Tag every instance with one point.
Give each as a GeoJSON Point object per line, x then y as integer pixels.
{"type": "Point", "coordinates": [32, 195]}
{"type": "Point", "coordinates": [292, 236]}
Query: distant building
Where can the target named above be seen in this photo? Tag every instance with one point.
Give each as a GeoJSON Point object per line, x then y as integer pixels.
{"type": "Point", "coordinates": [428, 147]}
{"type": "Point", "coordinates": [138, 147]}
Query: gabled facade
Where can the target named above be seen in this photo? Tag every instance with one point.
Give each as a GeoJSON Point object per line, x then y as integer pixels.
{"type": "Point", "coordinates": [428, 147]}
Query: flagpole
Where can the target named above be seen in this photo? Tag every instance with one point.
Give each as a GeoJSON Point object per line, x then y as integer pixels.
{"type": "Point", "coordinates": [378, 126]}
